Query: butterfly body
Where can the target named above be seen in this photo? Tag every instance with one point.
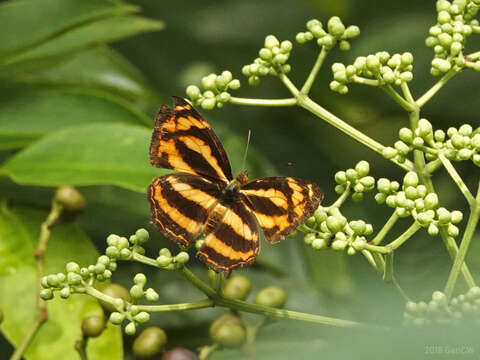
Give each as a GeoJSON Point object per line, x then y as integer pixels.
{"type": "Point", "coordinates": [203, 197]}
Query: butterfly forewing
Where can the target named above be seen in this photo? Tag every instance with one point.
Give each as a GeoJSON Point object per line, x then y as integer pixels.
{"type": "Point", "coordinates": [182, 140]}
{"type": "Point", "coordinates": [231, 237]}
{"type": "Point", "coordinates": [181, 204]}
{"type": "Point", "coordinates": [280, 204]}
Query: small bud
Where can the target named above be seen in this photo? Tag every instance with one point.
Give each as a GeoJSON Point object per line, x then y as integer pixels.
{"type": "Point", "coordinates": [237, 287]}
{"type": "Point", "coordinates": [336, 223]}
{"type": "Point", "coordinates": [130, 329]}
{"type": "Point", "coordinates": [140, 279]}
{"type": "Point", "coordinates": [65, 293]}
{"type": "Point", "coordinates": [46, 294]}
{"type": "Point", "coordinates": [142, 317]}
{"type": "Point", "coordinates": [182, 258]}
{"type": "Point", "coordinates": [136, 291]}
{"type": "Point", "coordinates": [273, 296]}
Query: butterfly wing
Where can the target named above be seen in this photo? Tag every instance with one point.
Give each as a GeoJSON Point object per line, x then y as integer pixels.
{"type": "Point", "coordinates": [182, 140]}
{"type": "Point", "coordinates": [231, 237]}
{"type": "Point", "coordinates": [181, 204]}
{"type": "Point", "coordinates": [280, 204]}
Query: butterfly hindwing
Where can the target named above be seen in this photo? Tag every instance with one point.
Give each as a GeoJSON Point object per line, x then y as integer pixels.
{"type": "Point", "coordinates": [182, 140]}
{"type": "Point", "coordinates": [232, 239]}
{"type": "Point", "coordinates": [280, 204]}
{"type": "Point", "coordinates": [181, 204]}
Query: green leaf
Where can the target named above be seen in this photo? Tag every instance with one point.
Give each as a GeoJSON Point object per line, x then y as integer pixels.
{"type": "Point", "coordinates": [89, 35]}
{"type": "Point", "coordinates": [29, 113]}
{"type": "Point", "coordinates": [115, 154]}
{"type": "Point", "coordinates": [26, 23]}
{"type": "Point", "coordinates": [19, 230]}
{"type": "Point", "coordinates": [97, 68]}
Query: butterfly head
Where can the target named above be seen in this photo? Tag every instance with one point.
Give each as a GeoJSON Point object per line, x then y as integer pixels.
{"type": "Point", "coordinates": [242, 178]}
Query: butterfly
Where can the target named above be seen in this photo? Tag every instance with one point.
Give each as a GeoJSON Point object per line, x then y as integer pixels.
{"type": "Point", "coordinates": [204, 197]}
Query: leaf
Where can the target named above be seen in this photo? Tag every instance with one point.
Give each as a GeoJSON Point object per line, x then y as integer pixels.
{"type": "Point", "coordinates": [19, 230]}
{"type": "Point", "coordinates": [115, 154]}
{"type": "Point", "coordinates": [29, 113]}
{"type": "Point", "coordinates": [98, 68]}
{"type": "Point", "coordinates": [89, 35]}
{"type": "Point", "coordinates": [25, 23]}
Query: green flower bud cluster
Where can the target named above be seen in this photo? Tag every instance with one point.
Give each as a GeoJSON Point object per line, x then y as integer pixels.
{"type": "Point", "coordinates": [272, 60]}
{"type": "Point", "coordinates": [336, 32]}
{"type": "Point", "coordinates": [166, 260]}
{"type": "Point", "coordinates": [75, 278]}
{"type": "Point", "coordinates": [387, 69]}
{"type": "Point", "coordinates": [128, 312]}
{"type": "Point", "coordinates": [423, 137]}
{"type": "Point", "coordinates": [215, 90]}
{"type": "Point", "coordinates": [455, 23]}
{"type": "Point", "coordinates": [337, 233]}
{"type": "Point", "coordinates": [439, 311]}
{"type": "Point", "coordinates": [462, 143]}
{"type": "Point", "coordinates": [414, 200]}
{"type": "Point", "coordinates": [137, 291]}
{"type": "Point", "coordinates": [356, 179]}
{"type": "Point", "coordinates": [121, 248]}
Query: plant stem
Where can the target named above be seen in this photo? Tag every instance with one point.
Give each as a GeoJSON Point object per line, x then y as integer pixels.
{"type": "Point", "coordinates": [464, 245]}
{"type": "Point", "coordinates": [42, 312]}
{"type": "Point", "coordinates": [406, 93]}
{"type": "Point", "coordinates": [457, 179]}
{"type": "Point", "coordinates": [363, 81]}
{"type": "Point", "coordinates": [81, 347]}
{"type": "Point", "coordinates": [285, 314]}
{"type": "Point", "coordinates": [324, 114]}
{"type": "Point", "coordinates": [342, 197]}
{"type": "Point", "coordinates": [385, 229]}
{"type": "Point", "coordinates": [387, 249]}
{"type": "Point", "coordinates": [313, 73]}
{"type": "Point", "coordinates": [263, 102]}
{"type": "Point", "coordinates": [435, 88]}
{"type": "Point", "coordinates": [398, 98]}
{"type": "Point", "coordinates": [388, 273]}
{"type": "Point", "coordinates": [433, 166]}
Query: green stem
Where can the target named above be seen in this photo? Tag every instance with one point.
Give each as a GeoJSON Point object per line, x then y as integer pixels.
{"type": "Point", "coordinates": [398, 98]}
{"type": "Point", "coordinates": [81, 347]}
{"type": "Point", "coordinates": [263, 102]}
{"type": "Point", "coordinates": [386, 228]}
{"type": "Point", "coordinates": [435, 88]}
{"type": "Point", "coordinates": [313, 73]}
{"type": "Point", "coordinates": [324, 114]}
{"type": "Point", "coordinates": [395, 244]}
{"type": "Point", "coordinates": [388, 273]}
{"type": "Point", "coordinates": [457, 179]}
{"type": "Point", "coordinates": [433, 166]}
{"type": "Point", "coordinates": [42, 312]}
{"type": "Point", "coordinates": [464, 245]}
{"type": "Point", "coordinates": [406, 93]}
{"type": "Point", "coordinates": [368, 255]}
{"type": "Point", "coordinates": [290, 86]}
{"type": "Point", "coordinates": [285, 314]}
{"type": "Point", "coordinates": [363, 81]}
{"type": "Point", "coordinates": [342, 197]}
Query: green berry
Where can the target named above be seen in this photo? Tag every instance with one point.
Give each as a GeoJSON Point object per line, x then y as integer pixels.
{"type": "Point", "coordinates": [114, 291]}
{"type": "Point", "coordinates": [150, 342]}
{"type": "Point", "coordinates": [308, 238]}
{"type": "Point", "coordinates": [228, 331]}
{"type": "Point", "coordinates": [273, 296]}
{"type": "Point", "coordinates": [237, 287]}
{"type": "Point", "coordinates": [341, 177]}
{"type": "Point", "coordinates": [70, 198]}
{"type": "Point", "coordinates": [335, 26]}
{"type": "Point", "coordinates": [142, 236]}
{"type": "Point", "coordinates": [271, 41]}
{"type": "Point", "coordinates": [93, 326]}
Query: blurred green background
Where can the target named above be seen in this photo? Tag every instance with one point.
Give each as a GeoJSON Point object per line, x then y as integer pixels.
{"type": "Point", "coordinates": [80, 82]}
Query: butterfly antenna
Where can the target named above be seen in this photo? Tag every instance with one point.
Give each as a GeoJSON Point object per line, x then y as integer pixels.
{"type": "Point", "coordinates": [246, 149]}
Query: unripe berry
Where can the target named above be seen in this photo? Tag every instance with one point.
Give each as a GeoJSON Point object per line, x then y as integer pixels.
{"type": "Point", "coordinates": [149, 342]}
{"type": "Point", "coordinates": [70, 198]}
{"type": "Point", "coordinates": [115, 291]}
{"type": "Point", "coordinates": [237, 287]}
{"type": "Point", "coordinates": [193, 92]}
{"type": "Point", "coordinates": [93, 326]}
{"type": "Point", "coordinates": [273, 296]}
{"type": "Point", "coordinates": [131, 328]}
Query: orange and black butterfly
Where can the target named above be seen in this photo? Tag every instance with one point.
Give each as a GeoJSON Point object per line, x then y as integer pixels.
{"type": "Point", "coordinates": [204, 196]}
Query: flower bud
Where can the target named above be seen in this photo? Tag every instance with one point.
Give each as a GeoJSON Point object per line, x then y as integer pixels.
{"type": "Point", "coordinates": [273, 296]}
{"type": "Point", "coordinates": [237, 287]}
